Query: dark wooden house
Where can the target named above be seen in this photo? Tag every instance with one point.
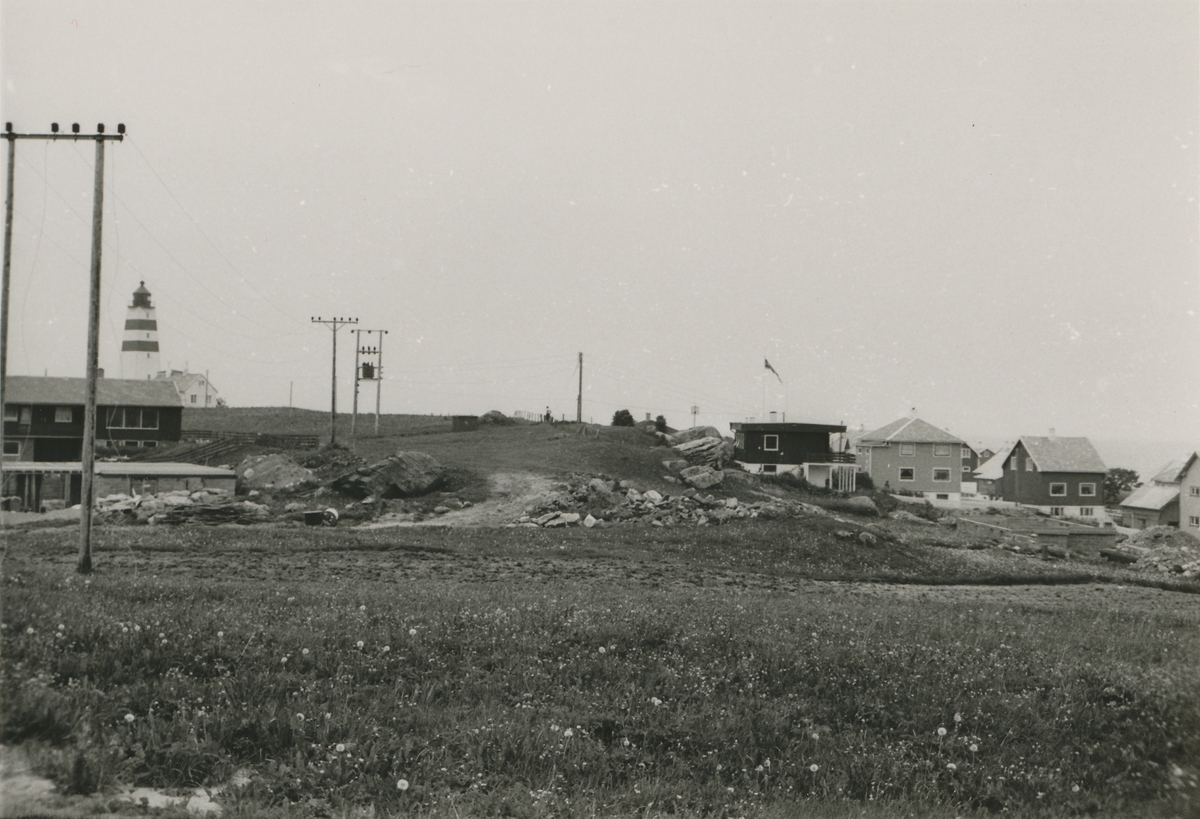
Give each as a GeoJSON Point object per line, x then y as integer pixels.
{"type": "Point", "coordinates": [804, 450]}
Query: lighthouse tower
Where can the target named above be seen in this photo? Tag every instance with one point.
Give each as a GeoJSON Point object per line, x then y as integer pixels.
{"type": "Point", "coordinates": [139, 349]}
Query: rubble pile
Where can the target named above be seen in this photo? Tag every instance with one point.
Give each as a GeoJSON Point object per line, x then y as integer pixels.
{"type": "Point", "coordinates": [208, 506]}
{"type": "Point", "coordinates": [274, 473]}
{"type": "Point", "coordinates": [1163, 550]}
{"type": "Point", "coordinates": [595, 501]}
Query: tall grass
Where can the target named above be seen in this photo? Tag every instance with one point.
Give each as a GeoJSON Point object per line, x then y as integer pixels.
{"type": "Point", "coordinates": [507, 690]}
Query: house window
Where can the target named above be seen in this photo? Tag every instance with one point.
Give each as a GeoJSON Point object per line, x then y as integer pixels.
{"type": "Point", "coordinates": [908, 473]}
{"type": "Point", "coordinates": [1194, 521]}
{"type": "Point", "coordinates": [771, 443]}
{"type": "Point", "coordinates": [943, 496]}
{"type": "Point", "coordinates": [941, 450]}
{"type": "Point", "coordinates": [1087, 490]}
{"type": "Point", "coordinates": [941, 475]}
{"type": "Point", "coordinates": [769, 468]}
{"type": "Point", "coordinates": [1086, 511]}
{"type": "Point", "coordinates": [966, 469]}
{"type": "Point", "coordinates": [1056, 511]}
{"type": "Point", "coordinates": [966, 453]}
{"type": "Point", "coordinates": [133, 418]}
{"type": "Point", "coordinates": [1058, 490]}
{"type": "Point", "coordinates": [11, 412]}
{"type": "Point", "coordinates": [193, 399]}
{"type": "Point", "coordinates": [1029, 465]}
{"type": "Point", "coordinates": [149, 444]}
{"type": "Point", "coordinates": [132, 444]}
{"type": "Point", "coordinates": [12, 447]}
{"type": "Point", "coordinates": [63, 415]}
{"type": "Point", "coordinates": [26, 415]}
{"type": "Point", "coordinates": [739, 440]}
{"type": "Point", "coordinates": [908, 449]}
{"type": "Point", "coordinates": [1194, 491]}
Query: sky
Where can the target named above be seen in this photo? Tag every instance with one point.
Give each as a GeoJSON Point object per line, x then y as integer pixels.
{"type": "Point", "coordinates": [985, 211]}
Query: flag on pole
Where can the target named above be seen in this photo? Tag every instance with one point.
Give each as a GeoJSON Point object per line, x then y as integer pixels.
{"type": "Point", "coordinates": [767, 364]}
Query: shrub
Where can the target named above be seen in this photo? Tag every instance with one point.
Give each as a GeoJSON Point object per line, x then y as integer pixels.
{"type": "Point", "coordinates": [863, 481]}
{"type": "Point", "coordinates": [660, 424]}
{"type": "Point", "coordinates": [622, 418]}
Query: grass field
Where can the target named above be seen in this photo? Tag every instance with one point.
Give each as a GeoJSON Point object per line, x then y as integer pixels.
{"type": "Point", "coordinates": [631, 671]}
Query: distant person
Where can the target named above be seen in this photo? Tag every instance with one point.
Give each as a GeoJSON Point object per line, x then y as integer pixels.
{"type": "Point", "coordinates": [548, 418]}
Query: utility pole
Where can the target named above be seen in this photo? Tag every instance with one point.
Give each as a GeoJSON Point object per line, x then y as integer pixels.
{"type": "Point", "coordinates": [366, 372]}
{"type": "Point", "coordinates": [579, 400]}
{"type": "Point", "coordinates": [84, 566]}
{"type": "Point", "coordinates": [695, 411]}
{"type": "Point", "coordinates": [378, 379]}
{"type": "Point", "coordinates": [333, 324]}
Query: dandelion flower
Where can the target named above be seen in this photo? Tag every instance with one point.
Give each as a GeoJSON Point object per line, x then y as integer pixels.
{"type": "Point", "coordinates": [29, 630]}
{"type": "Point", "coordinates": [359, 644]}
{"type": "Point", "coordinates": [304, 651]}
{"type": "Point", "coordinates": [729, 789]}
{"type": "Point", "coordinates": [816, 735]}
{"type": "Point", "coordinates": [958, 717]}
{"type": "Point", "coordinates": [300, 717]}
{"type": "Point", "coordinates": [283, 660]}
{"type": "Point", "coordinates": [125, 629]}
{"type": "Point", "coordinates": [340, 748]}
{"type": "Point", "coordinates": [386, 649]}
{"type": "Point", "coordinates": [362, 608]}
{"type": "Point", "coordinates": [220, 634]}
{"type": "Point", "coordinates": [1074, 789]}
{"type": "Point", "coordinates": [402, 785]}
{"type": "Point", "coordinates": [951, 767]}
{"type": "Point", "coordinates": [974, 747]}
{"type": "Point", "coordinates": [814, 767]}
{"type": "Point", "coordinates": [568, 733]}
{"type": "Point", "coordinates": [941, 732]}
{"type": "Point", "coordinates": [61, 627]}
{"type": "Point", "coordinates": [412, 632]}
{"type": "Point", "coordinates": [130, 717]}
{"type": "Point", "coordinates": [655, 701]}
{"type": "Point", "coordinates": [602, 649]}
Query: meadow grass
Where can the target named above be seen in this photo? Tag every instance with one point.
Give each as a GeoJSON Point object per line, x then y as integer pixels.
{"type": "Point", "coordinates": [522, 673]}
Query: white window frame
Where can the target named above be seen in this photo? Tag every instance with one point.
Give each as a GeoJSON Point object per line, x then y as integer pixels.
{"type": "Point", "coordinates": [908, 450]}
{"type": "Point", "coordinates": [942, 469]}
{"type": "Point", "coordinates": [1056, 511]}
{"type": "Point", "coordinates": [912, 473]}
{"type": "Point", "coordinates": [1194, 491]}
{"type": "Point", "coordinates": [967, 453]}
{"type": "Point", "coordinates": [1087, 490]}
{"type": "Point", "coordinates": [1029, 464]}
{"type": "Point", "coordinates": [12, 412]}
{"type": "Point", "coordinates": [771, 469]}
{"type": "Point", "coordinates": [767, 446]}
{"type": "Point", "coordinates": [64, 415]}
{"type": "Point", "coordinates": [1059, 494]}
{"type": "Point", "coordinates": [1086, 511]}
{"type": "Point", "coordinates": [26, 415]}
{"type": "Point", "coordinates": [941, 450]}
{"type": "Point", "coordinates": [1194, 521]}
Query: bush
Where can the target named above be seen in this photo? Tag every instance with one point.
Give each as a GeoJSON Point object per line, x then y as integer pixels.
{"type": "Point", "coordinates": [660, 424]}
{"type": "Point", "coordinates": [863, 481]}
{"type": "Point", "coordinates": [622, 418]}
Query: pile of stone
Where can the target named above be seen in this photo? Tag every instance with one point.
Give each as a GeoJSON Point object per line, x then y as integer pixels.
{"type": "Point", "coordinates": [274, 473]}
{"type": "Point", "coordinates": [596, 501]}
{"type": "Point", "coordinates": [1163, 550]}
{"type": "Point", "coordinates": [209, 506]}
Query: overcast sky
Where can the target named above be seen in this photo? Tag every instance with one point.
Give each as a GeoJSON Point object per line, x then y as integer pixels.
{"type": "Point", "coordinates": [984, 210]}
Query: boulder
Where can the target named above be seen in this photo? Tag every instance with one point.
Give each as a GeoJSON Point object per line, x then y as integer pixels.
{"type": "Point", "coordinates": [714, 451]}
{"type": "Point", "coordinates": [692, 434]}
{"type": "Point", "coordinates": [702, 477]}
{"type": "Point", "coordinates": [676, 464]}
{"type": "Point", "coordinates": [403, 475]}
{"type": "Point", "coordinates": [278, 473]}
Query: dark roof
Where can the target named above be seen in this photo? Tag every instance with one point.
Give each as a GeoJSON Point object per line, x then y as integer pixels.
{"type": "Point", "coordinates": [110, 392]}
{"type": "Point", "coordinates": [1063, 454]}
{"type": "Point", "coordinates": [752, 426]}
{"type": "Point", "coordinates": [910, 431]}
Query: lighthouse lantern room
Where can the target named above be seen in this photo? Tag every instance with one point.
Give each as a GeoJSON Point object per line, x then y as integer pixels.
{"type": "Point", "coordinates": [139, 348]}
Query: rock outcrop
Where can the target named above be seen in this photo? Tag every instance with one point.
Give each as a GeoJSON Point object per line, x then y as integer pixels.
{"type": "Point", "coordinates": [273, 473]}
{"type": "Point", "coordinates": [403, 475]}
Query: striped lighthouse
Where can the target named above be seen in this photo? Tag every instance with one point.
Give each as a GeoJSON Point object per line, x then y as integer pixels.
{"type": "Point", "coordinates": [139, 349]}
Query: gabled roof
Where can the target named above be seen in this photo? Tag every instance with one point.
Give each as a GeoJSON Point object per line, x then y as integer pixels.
{"type": "Point", "coordinates": [910, 430]}
{"type": "Point", "coordinates": [1187, 465]}
{"type": "Point", "coordinates": [993, 468]}
{"type": "Point", "coordinates": [1060, 454]}
{"type": "Point", "coordinates": [110, 392]}
{"type": "Point", "coordinates": [1169, 473]}
{"type": "Point", "coordinates": [1151, 496]}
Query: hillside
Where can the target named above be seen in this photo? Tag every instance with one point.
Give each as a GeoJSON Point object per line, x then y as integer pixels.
{"type": "Point", "coordinates": [552, 450]}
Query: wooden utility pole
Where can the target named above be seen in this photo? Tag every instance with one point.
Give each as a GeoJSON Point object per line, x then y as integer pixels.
{"type": "Point", "coordinates": [367, 372]}
{"type": "Point", "coordinates": [84, 565]}
{"type": "Point", "coordinates": [378, 379]}
{"type": "Point", "coordinates": [579, 400]}
{"type": "Point", "coordinates": [333, 324]}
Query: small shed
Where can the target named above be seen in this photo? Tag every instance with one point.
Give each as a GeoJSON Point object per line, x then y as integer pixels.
{"type": "Point", "coordinates": [464, 423]}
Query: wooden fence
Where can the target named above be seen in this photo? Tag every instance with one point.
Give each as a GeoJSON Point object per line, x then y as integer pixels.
{"type": "Point", "coordinates": [284, 440]}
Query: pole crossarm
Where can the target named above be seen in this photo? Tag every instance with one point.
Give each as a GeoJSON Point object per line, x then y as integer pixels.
{"type": "Point", "coordinates": [333, 324]}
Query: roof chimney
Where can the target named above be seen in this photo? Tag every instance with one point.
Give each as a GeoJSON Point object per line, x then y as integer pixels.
{"type": "Point", "coordinates": [773, 415]}
{"type": "Point", "coordinates": [1052, 434]}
